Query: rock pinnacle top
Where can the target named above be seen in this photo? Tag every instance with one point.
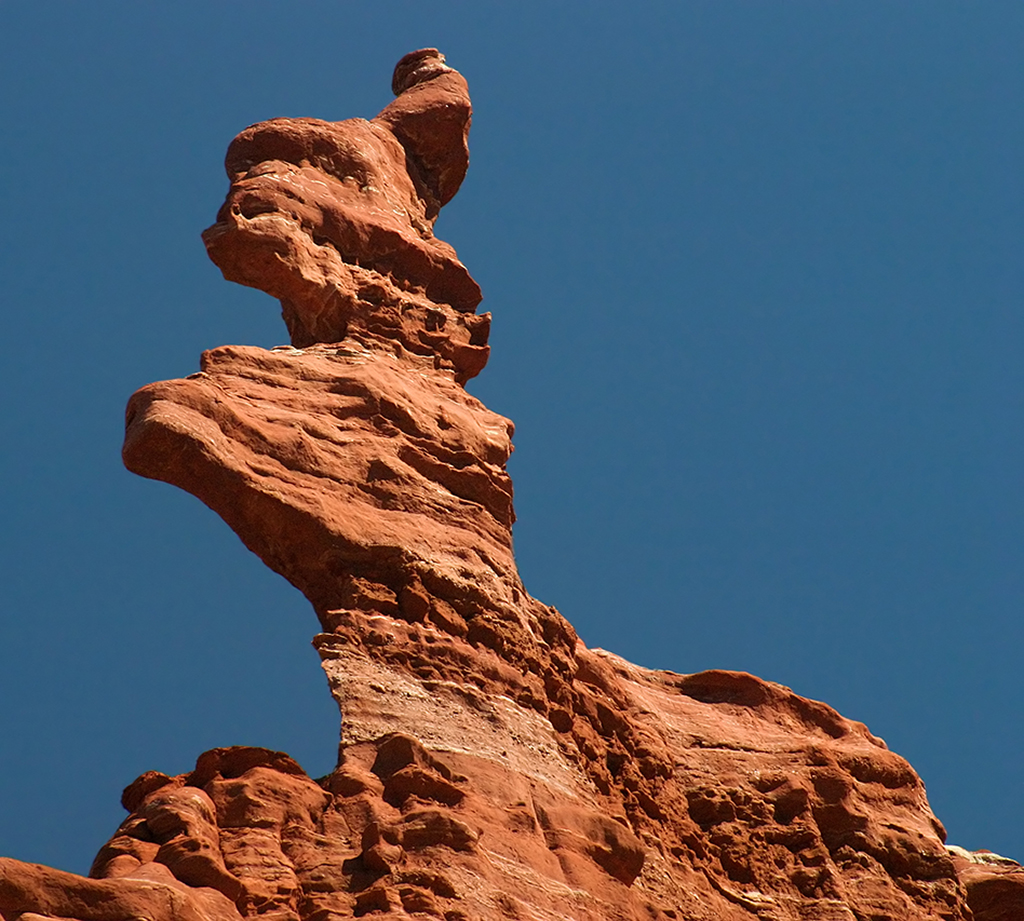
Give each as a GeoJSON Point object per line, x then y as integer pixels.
{"type": "Point", "coordinates": [335, 219]}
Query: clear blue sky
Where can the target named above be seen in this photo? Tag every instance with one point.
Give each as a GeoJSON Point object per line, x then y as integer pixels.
{"type": "Point", "coordinates": [755, 270]}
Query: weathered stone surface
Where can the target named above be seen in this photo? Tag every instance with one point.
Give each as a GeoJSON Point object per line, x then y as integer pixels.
{"type": "Point", "coordinates": [336, 220]}
{"type": "Point", "coordinates": [708, 796]}
{"type": "Point", "coordinates": [30, 892]}
{"type": "Point", "coordinates": [490, 765]}
{"type": "Point", "coordinates": [356, 473]}
{"type": "Point", "coordinates": [994, 884]}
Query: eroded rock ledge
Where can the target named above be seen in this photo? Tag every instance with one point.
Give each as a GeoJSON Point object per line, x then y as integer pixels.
{"type": "Point", "coordinates": [490, 765]}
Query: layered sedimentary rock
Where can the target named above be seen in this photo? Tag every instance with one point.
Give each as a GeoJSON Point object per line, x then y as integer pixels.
{"type": "Point", "coordinates": [490, 765]}
{"type": "Point", "coordinates": [336, 220]}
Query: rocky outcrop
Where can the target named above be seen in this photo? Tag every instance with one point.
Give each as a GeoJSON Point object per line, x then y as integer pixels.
{"type": "Point", "coordinates": [994, 884]}
{"type": "Point", "coordinates": [710, 796]}
{"type": "Point", "coordinates": [490, 765]}
{"type": "Point", "coordinates": [352, 471]}
{"type": "Point", "coordinates": [336, 220]}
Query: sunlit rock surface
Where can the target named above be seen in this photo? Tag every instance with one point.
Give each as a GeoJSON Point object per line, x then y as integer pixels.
{"type": "Point", "coordinates": [490, 766]}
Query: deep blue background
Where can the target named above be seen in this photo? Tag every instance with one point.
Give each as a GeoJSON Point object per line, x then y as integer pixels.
{"type": "Point", "coordinates": [755, 271]}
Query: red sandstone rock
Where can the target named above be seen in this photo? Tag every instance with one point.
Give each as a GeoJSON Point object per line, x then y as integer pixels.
{"type": "Point", "coordinates": [431, 119]}
{"type": "Point", "coordinates": [709, 796]}
{"type": "Point", "coordinates": [30, 892]}
{"type": "Point", "coordinates": [369, 480]}
{"type": "Point", "coordinates": [994, 884]}
{"type": "Point", "coordinates": [336, 220]}
{"type": "Point", "coordinates": [377, 486]}
{"type": "Point", "coordinates": [490, 766]}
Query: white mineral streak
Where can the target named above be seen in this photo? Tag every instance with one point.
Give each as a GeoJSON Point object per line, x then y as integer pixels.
{"type": "Point", "coordinates": [375, 700]}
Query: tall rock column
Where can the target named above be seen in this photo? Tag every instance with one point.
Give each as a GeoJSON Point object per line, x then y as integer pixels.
{"type": "Point", "coordinates": [490, 765]}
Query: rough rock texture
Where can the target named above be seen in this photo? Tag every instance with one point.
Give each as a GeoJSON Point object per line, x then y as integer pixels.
{"type": "Point", "coordinates": [336, 220]}
{"type": "Point", "coordinates": [349, 470]}
{"type": "Point", "coordinates": [994, 884]}
{"type": "Point", "coordinates": [490, 766]}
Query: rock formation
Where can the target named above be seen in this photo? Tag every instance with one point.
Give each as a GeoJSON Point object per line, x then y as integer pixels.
{"type": "Point", "coordinates": [490, 765]}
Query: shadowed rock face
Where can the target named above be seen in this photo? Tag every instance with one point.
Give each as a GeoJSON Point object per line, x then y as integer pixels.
{"type": "Point", "coordinates": [490, 765]}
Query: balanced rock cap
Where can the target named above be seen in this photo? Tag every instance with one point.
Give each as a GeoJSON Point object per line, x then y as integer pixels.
{"type": "Point", "coordinates": [417, 67]}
